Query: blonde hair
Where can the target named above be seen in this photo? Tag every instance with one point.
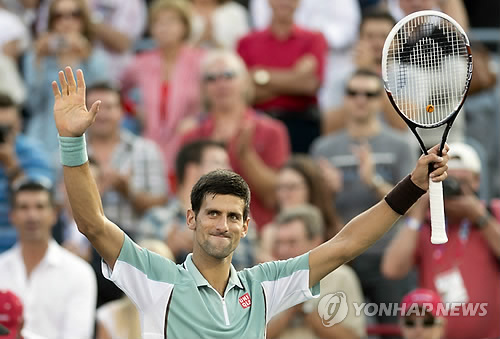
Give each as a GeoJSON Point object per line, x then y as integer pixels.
{"type": "Point", "coordinates": [181, 7]}
{"type": "Point", "coordinates": [233, 61]}
{"type": "Point", "coordinates": [126, 316]}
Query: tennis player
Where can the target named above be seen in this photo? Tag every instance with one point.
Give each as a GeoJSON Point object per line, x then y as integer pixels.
{"type": "Point", "coordinates": [205, 297]}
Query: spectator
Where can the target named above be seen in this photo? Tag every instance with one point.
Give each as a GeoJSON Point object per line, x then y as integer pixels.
{"type": "Point", "coordinates": [169, 222]}
{"type": "Point", "coordinates": [338, 20]}
{"type": "Point", "coordinates": [120, 319]}
{"type": "Point", "coordinates": [374, 28]}
{"type": "Point", "coordinates": [372, 159]}
{"type": "Point", "coordinates": [11, 315]}
{"type": "Point", "coordinates": [57, 288]}
{"type": "Point", "coordinates": [465, 269]}
{"type": "Point", "coordinates": [454, 8]}
{"type": "Point", "coordinates": [299, 230]}
{"type": "Point", "coordinates": [116, 26]}
{"type": "Point", "coordinates": [416, 322]}
{"type": "Point", "coordinates": [301, 181]}
{"type": "Point", "coordinates": [14, 37]}
{"type": "Point", "coordinates": [27, 11]}
{"type": "Point", "coordinates": [167, 77]}
{"type": "Point", "coordinates": [247, 134]}
{"type": "Point", "coordinates": [19, 156]}
{"type": "Point", "coordinates": [11, 82]}
{"type": "Point", "coordinates": [131, 176]}
{"type": "Point", "coordinates": [218, 23]}
{"type": "Point", "coordinates": [67, 42]}
{"type": "Point", "coordinates": [287, 64]}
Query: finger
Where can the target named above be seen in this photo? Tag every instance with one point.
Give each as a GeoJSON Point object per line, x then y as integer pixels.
{"type": "Point", "coordinates": [437, 172]}
{"type": "Point", "coordinates": [81, 82]}
{"type": "Point", "coordinates": [95, 108]}
{"type": "Point", "coordinates": [431, 157]}
{"type": "Point", "coordinates": [71, 80]}
{"type": "Point", "coordinates": [64, 84]}
{"type": "Point", "coordinates": [55, 89]}
{"type": "Point", "coordinates": [441, 177]}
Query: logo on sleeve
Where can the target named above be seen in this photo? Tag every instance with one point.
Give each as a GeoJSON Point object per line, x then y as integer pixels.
{"type": "Point", "coordinates": [245, 300]}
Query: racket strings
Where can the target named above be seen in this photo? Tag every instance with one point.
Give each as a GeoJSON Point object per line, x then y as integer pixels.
{"type": "Point", "coordinates": [427, 69]}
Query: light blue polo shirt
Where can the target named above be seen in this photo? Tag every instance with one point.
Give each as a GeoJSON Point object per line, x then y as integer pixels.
{"type": "Point", "coordinates": [176, 301]}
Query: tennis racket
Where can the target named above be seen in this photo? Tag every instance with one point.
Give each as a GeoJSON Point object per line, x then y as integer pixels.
{"type": "Point", "coordinates": [427, 68]}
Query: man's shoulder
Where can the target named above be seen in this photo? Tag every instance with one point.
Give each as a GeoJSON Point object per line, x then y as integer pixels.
{"type": "Point", "coordinates": [8, 257]}
{"type": "Point", "coordinates": [74, 263]}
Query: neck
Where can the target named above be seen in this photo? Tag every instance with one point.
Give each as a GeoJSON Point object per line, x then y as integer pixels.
{"type": "Point", "coordinates": [32, 253]}
{"type": "Point", "coordinates": [281, 28]}
{"type": "Point", "coordinates": [230, 111]}
{"type": "Point", "coordinates": [216, 271]}
{"type": "Point", "coordinates": [170, 52]}
{"type": "Point", "coordinates": [363, 129]}
{"type": "Point", "coordinates": [105, 138]}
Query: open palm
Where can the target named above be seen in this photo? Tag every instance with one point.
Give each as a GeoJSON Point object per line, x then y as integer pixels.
{"type": "Point", "coordinates": [70, 112]}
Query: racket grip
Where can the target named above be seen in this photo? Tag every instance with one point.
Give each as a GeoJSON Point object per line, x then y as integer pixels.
{"type": "Point", "coordinates": [438, 228]}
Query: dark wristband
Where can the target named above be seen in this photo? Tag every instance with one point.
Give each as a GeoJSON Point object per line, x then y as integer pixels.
{"type": "Point", "coordinates": [403, 195]}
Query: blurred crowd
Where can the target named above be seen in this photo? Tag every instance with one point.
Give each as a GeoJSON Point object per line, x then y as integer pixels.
{"type": "Point", "coordinates": [288, 94]}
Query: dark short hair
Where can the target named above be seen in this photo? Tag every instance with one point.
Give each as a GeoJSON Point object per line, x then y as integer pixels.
{"type": "Point", "coordinates": [6, 101]}
{"type": "Point", "coordinates": [31, 185]}
{"type": "Point", "coordinates": [192, 152]}
{"type": "Point", "coordinates": [363, 72]}
{"type": "Point", "coordinates": [224, 182]}
{"type": "Point", "coordinates": [309, 215]}
{"type": "Point", "coordinates": [103, 86]}
{"type": "Point", "coordinates": [376, 15]}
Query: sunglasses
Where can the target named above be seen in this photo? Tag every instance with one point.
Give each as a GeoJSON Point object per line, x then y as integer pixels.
{"type": "Point", "coordinates": [369, 94]}
{"type": "Point", "coordinates": [76, 14]}
{"type": "Point", "coordinates": [423, 322]}
{"type": "Point", "coordinates": [213, 77]}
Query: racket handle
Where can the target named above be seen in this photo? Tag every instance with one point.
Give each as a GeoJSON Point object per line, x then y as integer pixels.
{"type": "Point", "coordinates": [438, 228]}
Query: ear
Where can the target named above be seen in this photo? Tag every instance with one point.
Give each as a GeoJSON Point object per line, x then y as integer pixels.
{"type": "Point", "coordinates": [191, 219]}
{"type": "Point", "coordinates": [244, 231]}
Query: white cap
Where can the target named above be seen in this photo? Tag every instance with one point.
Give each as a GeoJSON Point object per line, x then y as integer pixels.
{"type": "Point", "coordinates": [463, 156]}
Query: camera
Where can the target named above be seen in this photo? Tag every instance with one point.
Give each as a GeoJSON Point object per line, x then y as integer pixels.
{"type": "Point", "coordinates": [452, 188]}
{"type": "Point", "coordinates": [4, 133]}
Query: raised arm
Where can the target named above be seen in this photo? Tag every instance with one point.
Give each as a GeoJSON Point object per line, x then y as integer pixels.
{"type": "Point", "coordinates": [365, 229]}
{"type": "Point", "coordinates": [72, 120]}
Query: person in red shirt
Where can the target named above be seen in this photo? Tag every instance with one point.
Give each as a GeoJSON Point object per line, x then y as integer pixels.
{"type": "Point", "coordinates": [11, 315]}
{"type": "Point", "coordinates": [466, 269]}
{"type": "Point", "coordinates": [287, 63]}
{"type": "Point", "coordinates": [257, 145]}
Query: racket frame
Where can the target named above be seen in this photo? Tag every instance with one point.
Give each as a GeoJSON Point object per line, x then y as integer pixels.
{"type": "Point", "coordinates": [451, 118]}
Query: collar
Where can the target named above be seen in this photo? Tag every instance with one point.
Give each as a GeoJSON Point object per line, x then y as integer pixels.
{"type": "Point", "coordinates": [200, 279]}
{"type": "Point", "coordinates": [294, 33]}
{"type": "Point", "coordinates": [53, 256]}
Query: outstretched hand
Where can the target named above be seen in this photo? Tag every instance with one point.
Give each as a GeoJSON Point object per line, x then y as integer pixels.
{"type": "Point", "coordinates": [70, 112]}
{"type": "Point", "coordinates": [420, 175]}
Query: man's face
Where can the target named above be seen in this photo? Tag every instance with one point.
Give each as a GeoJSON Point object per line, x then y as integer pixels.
{"type": "Point", "coordinates": [468, 179]}
{"type": "Point", "coordinates": [213, 158]}
{"type": "Point", "coordinates": [9, 122]}
{"type": "Point", "coordinates": [33, 216]}
{"type": "Point", "coordinates": [284, 9]}
{"type": "Point", "coordinates": [363, 97]}
{"type": "Point", "coordinates": [109, 117]}
{"type": "Point", "coordinates": [292, 240]}
{"type": "Point", "coordinates": [219, 225]}
{"type": "Point", "coordinates": [374, 33]}
{"type": "Point", "coordinates": [411, 6]}
{"type": "Point", "coordinates": [422, 327]}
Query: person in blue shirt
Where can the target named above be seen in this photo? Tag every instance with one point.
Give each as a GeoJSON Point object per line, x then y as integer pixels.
{"type": "Point", "coordinates": [19, 157]}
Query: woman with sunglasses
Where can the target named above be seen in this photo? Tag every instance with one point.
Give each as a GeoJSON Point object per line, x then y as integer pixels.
{"type": "Point", "coordinates": [257, 145]}
{"type": "Point", "coordinates": [422, 315]}
{"type": "Point", "coordinates": [68, 41]}
{"type": "Point", "coordinates": [167, 77]}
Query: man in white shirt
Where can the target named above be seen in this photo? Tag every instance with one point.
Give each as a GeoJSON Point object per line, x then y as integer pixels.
{"type": "Point", "coordinates": [57, 288]}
